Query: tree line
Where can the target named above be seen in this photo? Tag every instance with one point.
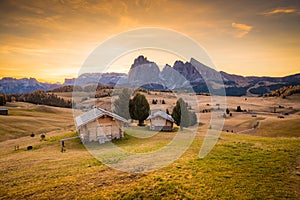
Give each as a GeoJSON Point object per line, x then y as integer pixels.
{"type": "Point", "coordinates": [87, 88]}
{"type": "Point", "coordinates": [41, 97]}
{"type": "Point", "coordinates": [284, 91]}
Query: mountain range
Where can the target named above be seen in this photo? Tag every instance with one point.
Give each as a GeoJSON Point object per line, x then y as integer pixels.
{"type": "Point", "coordinates": [10, 85]}
{"type": "Point", "coordinates": [192, 75]}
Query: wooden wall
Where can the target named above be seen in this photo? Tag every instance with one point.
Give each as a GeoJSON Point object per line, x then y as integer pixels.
{"type": "Point", "coordinates": [103, 126]}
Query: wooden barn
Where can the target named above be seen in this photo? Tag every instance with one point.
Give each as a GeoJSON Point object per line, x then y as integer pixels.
{"type": "Point", "coordinates": [99, 125]}
{"type": "Point", "coordinates": [161, 121]}
{"type": "Point", "coordinates": [3, 111]}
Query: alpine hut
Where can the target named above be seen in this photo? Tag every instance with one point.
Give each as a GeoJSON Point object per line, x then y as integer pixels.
{"type": "Point", "coordinates": [99, 125]}
{"type": "Point", "coordinates": [161, 121]}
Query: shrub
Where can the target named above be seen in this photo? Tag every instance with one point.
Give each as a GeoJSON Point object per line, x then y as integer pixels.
{"type": "Point", "coordinates": [43, 137]}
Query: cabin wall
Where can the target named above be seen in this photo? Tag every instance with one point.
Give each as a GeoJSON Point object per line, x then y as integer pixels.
{"type": "Point", "coordinates": [102, 128]}
{"type": "Point", "coordinates": [158, 121]}
{"type": "Point", "coordinates": [169, 123]}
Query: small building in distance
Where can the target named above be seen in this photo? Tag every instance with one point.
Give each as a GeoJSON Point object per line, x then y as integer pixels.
{"type": "Point", "coordinates": [99, 125]}
{"type": "Point", "coordinates": [3, 111]}
{"type": "Point", "coordinates": [161, 121]}
{"type": "Point", "coordinates": [13, 99]}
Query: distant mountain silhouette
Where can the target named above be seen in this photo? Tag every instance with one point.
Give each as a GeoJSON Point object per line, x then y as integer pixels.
{"type": "Point", "coordinates": [192, 76]}
{"type": "Point", "coordinates": [19, 86]}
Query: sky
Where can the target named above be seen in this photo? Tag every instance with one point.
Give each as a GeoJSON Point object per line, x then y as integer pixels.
{"type": "Point", "coordinates": [50, 40]}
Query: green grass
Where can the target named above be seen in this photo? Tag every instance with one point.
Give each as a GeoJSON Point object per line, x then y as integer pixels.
{"type": "Point", "coordinates": [239, 167]}
{"type": "Point", "coordinates": [142, 140]}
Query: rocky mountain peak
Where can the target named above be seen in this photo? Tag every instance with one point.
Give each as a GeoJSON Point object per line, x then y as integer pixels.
{"type": "Point", "coordinates": [69, 81]}
{"type": "Point", "coordinates": [140, 60]}
{"type": "Point", "coordinates": [188, 71]}
{"type": "Point", "coordinates": [143, 72]}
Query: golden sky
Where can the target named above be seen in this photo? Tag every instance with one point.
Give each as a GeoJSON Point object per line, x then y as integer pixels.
{"type": "Point", "coordinates": [50, 40]}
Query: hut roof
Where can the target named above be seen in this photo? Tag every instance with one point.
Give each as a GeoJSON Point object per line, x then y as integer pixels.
{"type": "Point", "coordinates": [161, 114]}
{"type": "Point", "coordinates": [95, 113]}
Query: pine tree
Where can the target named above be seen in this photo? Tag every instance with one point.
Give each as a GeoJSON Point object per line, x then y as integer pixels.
{"type": "Point", "coordinates": [193, 118]}
{"type": "Point", "coordinates": [181, 114]}
{"type": "Point", "coordinates": [122, 104]}
{"type": "Point", "coordinates": [227, 111]}
{"type": "Point", "coordinates": [153, 101]}
{"type": "Point", "coordinates": [140, 108]}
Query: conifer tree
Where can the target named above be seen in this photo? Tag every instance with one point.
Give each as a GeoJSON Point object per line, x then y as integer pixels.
{"type": "Point", "coordinates": [140, 108]}
{"type": "Point", "coordinates": [122, 104]}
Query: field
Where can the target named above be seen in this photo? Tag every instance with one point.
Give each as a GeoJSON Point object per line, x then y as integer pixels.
{"type": "Point", "coordinates": [262, 163]}
{"type": "Point", "coordinates": [25, 119]}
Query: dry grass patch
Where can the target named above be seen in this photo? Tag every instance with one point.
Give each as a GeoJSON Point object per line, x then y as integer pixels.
{"type": "Point", "coordinates": [25, 119]}
{"type": "Point", "coordinates": [279, 128]}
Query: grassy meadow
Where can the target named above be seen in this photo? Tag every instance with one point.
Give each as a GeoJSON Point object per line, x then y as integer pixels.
{"type": "Point", "coordinates": [240, 166]}
{"type": "Point", "coordinates": [25, 119]}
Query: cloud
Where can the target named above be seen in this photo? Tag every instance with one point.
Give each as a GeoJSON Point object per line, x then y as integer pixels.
{"type": "Point", "coordinates": [241, 29]}
{"type": "Point", "coordinates": [281, 11]}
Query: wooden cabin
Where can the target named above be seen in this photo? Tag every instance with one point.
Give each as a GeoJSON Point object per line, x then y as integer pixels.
{"type": "Point", "coordinates": [99, 125]}
{"type": "Point", "coordinates": [161, 121]}
{"type": "Point", "coordinates": [3, 111]}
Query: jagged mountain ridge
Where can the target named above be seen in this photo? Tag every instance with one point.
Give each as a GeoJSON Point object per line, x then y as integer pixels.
{"type": "Point", "coordinates": [198, 77]}
{"type": "Point", "coordinates": [191, 75]}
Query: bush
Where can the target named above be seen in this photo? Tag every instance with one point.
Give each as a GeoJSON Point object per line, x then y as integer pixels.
{"type": "Point", "coordinates": [32, 135]}
{"type": "Point", "coordinates": [43, 137]}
